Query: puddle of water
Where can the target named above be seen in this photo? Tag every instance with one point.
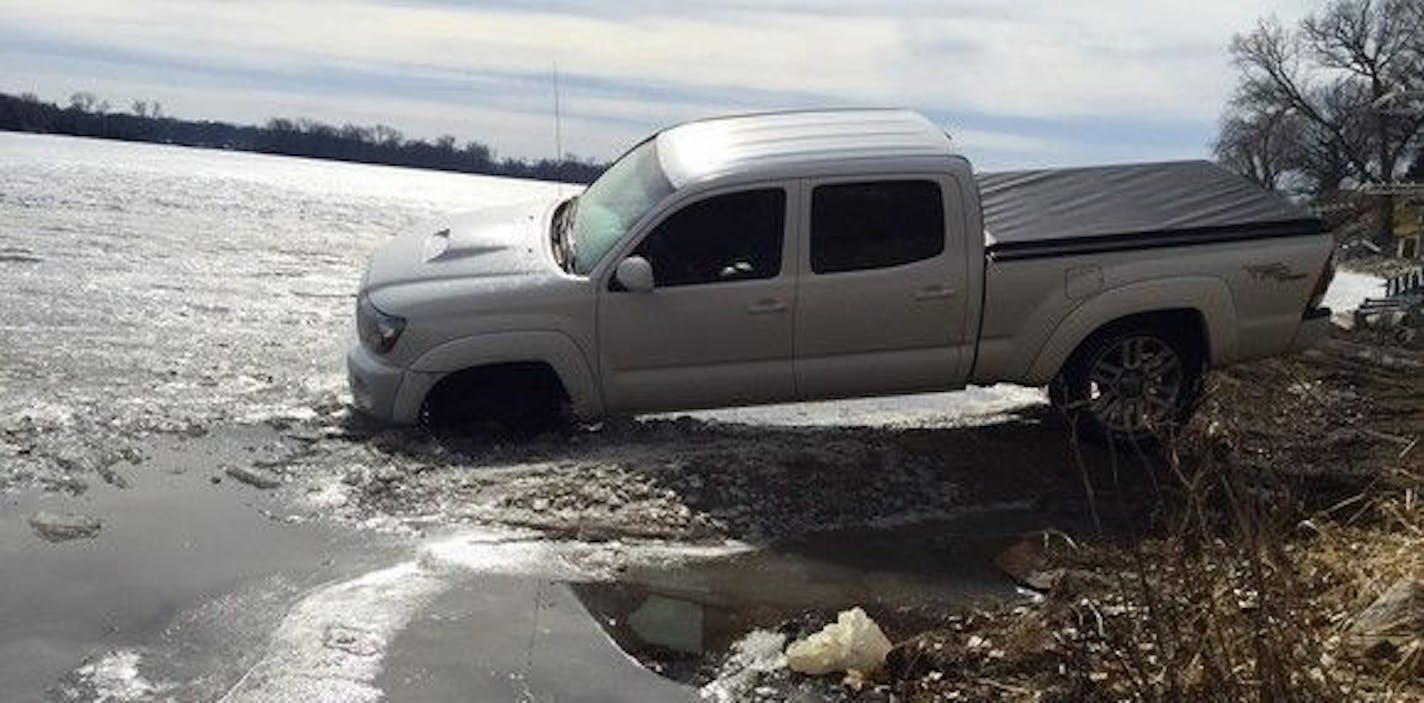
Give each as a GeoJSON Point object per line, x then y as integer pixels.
{"type": "Point", "coordinates": [513, 638]}
{"type": "Point", "coordinates": [170, 546]}
{"type": "Point", "coordinates": [677, 621]}
{"type": "Point", "coordinates": [473, 611]}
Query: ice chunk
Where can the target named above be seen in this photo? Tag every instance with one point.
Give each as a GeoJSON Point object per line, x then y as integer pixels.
{"type": "Point", "coordinates": [62, 527]}
{"type": "Point", "coordinates": [759, 652]}
{"type": "Point", "coordinates": [353, 640]}
{"type": "Point", "coordinates": [111, 678]}
{"type": "Point", "coordinates": [257, 478]}
{"type": "Point", "coordinates": [852, 642]}
{"type": "Point", "coordinates": [669, 622]}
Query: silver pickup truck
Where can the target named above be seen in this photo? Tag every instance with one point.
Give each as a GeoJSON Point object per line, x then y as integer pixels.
{"type": "Point", "coordinates": [836, 254]}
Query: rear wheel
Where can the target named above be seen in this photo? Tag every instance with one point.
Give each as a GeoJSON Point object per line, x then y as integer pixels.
{"type": "Point", "coordinates": [1131, 383]}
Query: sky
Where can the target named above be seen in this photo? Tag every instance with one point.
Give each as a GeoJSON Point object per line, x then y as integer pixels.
{"type": "Point", "coordinates": [1016, 83]}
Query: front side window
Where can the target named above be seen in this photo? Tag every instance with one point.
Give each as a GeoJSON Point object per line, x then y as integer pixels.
{"type": "Point", "coordinates": [731, 237]}
{"type": "Point", "coordinates": [858, 226]}
{"type": "Point", "coordinates": [615, 202]}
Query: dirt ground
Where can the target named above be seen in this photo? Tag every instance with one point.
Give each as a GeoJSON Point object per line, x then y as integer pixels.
{"type": "Point", "coordinates": [1349, 409]}
{"type": "Point", "coordinates": [691, 479]}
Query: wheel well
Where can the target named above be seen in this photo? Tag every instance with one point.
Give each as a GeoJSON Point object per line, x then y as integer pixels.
{"type": "Point", "coordinates": [532, 381]}
{"type": "Point", "coordinates": [1185, 325]}
{"type": "Point", "coordinates": [1071, 390]}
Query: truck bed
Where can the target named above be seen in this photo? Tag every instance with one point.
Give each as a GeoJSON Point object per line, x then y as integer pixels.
{"type": "Point", "coordinates": [1073, 211]}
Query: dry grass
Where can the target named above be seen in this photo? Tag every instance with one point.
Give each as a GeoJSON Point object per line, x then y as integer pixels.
{"type": "Point", "coordinates": [1242, 588]}
{"type": "Point", "coordinates": [1224, 607]}
{"type": "Point", "coordinates": [1353, 562]}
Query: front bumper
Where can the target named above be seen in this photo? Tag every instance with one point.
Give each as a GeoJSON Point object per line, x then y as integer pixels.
{"type": "Point", "coordinates": [1314, 326]}
{"type": "Point", "coordinates": [376, 387]}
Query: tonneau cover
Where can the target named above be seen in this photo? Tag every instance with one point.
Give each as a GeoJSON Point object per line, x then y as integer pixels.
{"type": "Point", "coordinates": [1060, 212]}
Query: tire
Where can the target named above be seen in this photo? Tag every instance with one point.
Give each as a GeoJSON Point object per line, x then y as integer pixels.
{"type": "Point", "coordinates": [1131, 383]}
{"type": "Point", "coordinates": [498, 402]}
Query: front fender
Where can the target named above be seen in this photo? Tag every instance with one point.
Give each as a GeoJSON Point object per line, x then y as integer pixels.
{"type": "Point", "coordinates": [556, 349]}
{"type": "Point", "coordinates": [1207, 295]}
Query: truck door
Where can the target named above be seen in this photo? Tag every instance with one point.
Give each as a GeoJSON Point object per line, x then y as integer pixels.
{"type": "Point", "coordinates": [716, 328]}
{"type": "Point", "coordinates": [881, 299]}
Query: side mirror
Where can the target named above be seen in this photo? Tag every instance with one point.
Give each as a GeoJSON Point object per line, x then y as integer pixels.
{"type": "Point", "coordinates": [635, 274]}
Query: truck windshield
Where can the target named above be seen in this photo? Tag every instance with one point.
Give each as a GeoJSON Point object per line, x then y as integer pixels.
{"type": "Point", "coordinates": [615, 202]}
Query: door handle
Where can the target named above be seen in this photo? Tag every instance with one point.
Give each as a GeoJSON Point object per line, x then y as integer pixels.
{"type": "Point", "coordinates": [767, 306]}
{"type": "Point", "coordinates": [934, 292]}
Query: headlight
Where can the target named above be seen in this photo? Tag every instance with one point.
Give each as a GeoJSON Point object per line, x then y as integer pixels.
{"type": "Point", "coordinates": [377, 330]}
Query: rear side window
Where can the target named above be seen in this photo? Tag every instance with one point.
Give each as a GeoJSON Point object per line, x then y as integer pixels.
{"type": "Point", "coordinates": [731, 237]}
{"type": "Point", "coordinates": [857, 226]}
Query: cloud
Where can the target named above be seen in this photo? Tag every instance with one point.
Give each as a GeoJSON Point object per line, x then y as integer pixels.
{"type": "Point", "coordinates": [1020, 74]}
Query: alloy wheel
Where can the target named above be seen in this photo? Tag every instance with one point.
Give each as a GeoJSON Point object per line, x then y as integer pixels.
{"type": "Point", "coordinates": [1135, 385]}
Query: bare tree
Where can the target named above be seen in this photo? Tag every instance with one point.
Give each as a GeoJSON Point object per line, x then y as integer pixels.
{"type": "Point", "coordinates": [140, 108]}
{"type": "Point", "coordinates": [479, 153]}
{"type": "Point", "coordinates": [357, 133]}
{"type": "Point", "coordinates": [1263, 146]}
{"type": "Point", "coordinates": [387, 135]}
{"type": "Point", "coordinates": [83, 101]}
{"type": "Point", "coordinates": [1340, 74]}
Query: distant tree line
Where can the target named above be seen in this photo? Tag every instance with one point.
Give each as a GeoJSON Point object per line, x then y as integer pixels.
{"type": "Point", "coordinates": [88, 116]}
{"type": "Point", "coordinates": [1331, 106]}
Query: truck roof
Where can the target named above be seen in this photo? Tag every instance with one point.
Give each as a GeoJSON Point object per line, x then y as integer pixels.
{"type": "Point", "coordinates": [787, 142]}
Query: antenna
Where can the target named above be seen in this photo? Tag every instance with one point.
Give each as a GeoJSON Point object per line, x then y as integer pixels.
{"type": "Point", "coordinates": [558, 132]}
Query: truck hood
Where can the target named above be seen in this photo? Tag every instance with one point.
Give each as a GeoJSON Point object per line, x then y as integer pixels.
{"type": "Point", "coordinates": [500, 241]}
